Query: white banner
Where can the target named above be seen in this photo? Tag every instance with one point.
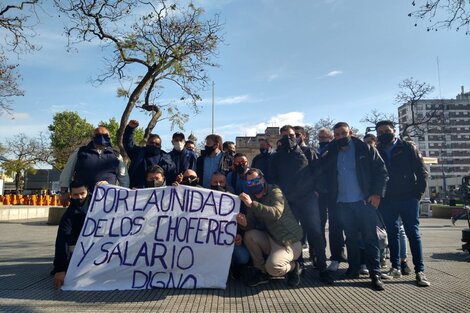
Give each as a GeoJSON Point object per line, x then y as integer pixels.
{"type": "Point", "coordinates": [169, 237]}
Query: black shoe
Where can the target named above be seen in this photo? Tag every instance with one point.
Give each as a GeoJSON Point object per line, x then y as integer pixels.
{"type": "Point", "coordinates": [293, 277]}
{"type": "Point", "coordinates": [258, 278]}
{"type": "Point", "coordinates": [350, 274]}
{"type": "Point", "coordinates": [326, 278]}
{"type": "Point", "coordinates": [405, 269]}
{"type": "Point", "coordinates": [377, 283]}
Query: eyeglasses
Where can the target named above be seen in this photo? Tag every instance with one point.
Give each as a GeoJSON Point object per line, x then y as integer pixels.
{"type": "Point", "coordinates": [253, 181]}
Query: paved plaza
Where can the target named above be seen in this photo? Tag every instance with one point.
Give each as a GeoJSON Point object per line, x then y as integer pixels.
{"type": "Point", "coordinates": [27, 247]}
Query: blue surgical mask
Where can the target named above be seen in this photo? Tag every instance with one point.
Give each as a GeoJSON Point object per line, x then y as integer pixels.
{"type": "Point", "coordinates": [102, 140]}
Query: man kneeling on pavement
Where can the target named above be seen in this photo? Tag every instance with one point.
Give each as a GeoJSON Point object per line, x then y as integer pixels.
{"type": "Point", "coordinates": [271, 230]}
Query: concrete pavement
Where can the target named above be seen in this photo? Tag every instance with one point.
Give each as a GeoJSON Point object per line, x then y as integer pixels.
{"type": "Point", "coordinates": [26, 252]}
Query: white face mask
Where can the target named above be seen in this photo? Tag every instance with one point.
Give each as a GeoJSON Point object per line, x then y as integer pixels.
{"type": "Point", "coordinates": [178, 145]}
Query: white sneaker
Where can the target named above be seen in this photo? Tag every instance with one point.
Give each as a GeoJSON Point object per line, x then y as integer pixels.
{"type": "Point", "coordinates": [394, 273]}
{"type": "Point", "coordinates": [384, 276]}
{"type": "Point", "coordinates": [333, 267]}
{"type": "Point", "coordinates": [421, 280]}
{"type": "Point", "coordinates": [364, 270]}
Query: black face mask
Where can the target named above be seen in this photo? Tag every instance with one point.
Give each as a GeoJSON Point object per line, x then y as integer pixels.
{"type": "Point", "coordinates": [152, 150]}
{"type": "Point", "coordinates": [323, 144]}
{"type": "Point", "coordinates": [217, 187]}
{"type": "Point", "coordinates": [77, 202]}
{"type": "Point", "coordinates": [288, 144]}
{"type": "Point", "coordinates": [343, 142]}
{"type": "Point", "coordinates": [241, 169]}
{"type": "Point", "coordinates": [189, 181]}
{"type": "Point", "coordinates": [385, 139]}
{"type": "Point", "coordinates": [209, 149]}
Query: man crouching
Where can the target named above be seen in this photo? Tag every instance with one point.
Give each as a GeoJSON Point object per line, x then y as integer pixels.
{"type": "Point", "coordinates": [271, 230]}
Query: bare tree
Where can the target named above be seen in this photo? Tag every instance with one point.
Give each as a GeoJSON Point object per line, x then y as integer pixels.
{"type": "Point", "coordinates": [23, 154]}
{"type": "Point", "coordinates": [312, 130]}
{"type": "Point", "coordinates": [411, 93]}
{"type": "Point", "coordinates": [9, 84]}
{"type": "Point", "coordinates": [17, 26]}
{"type": "Point", "coordinates": [151, 42]}
{"type": "Point", "coordinates": [443, 14]}
{"type": "Point", "coordinates": [375, 116]}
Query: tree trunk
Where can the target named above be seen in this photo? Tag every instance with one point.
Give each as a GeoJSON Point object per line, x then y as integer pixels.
{"type": "Point", "coordinates": [153, 121]}
{"type": "Point", "coordinates": [129, 107]}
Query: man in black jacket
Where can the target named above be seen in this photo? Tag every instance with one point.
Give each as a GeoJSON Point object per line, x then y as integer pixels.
{"type": "Point", "coordinates": [295, 171]}
{"type": "Point", "coordinates": [356, 177]}
{"type": "Point", "coordinates": [405, 188]}
{"type": "Point", "coordinates": [69, 230]}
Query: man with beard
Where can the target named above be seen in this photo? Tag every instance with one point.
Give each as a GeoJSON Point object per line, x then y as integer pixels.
{"type": "Point", "coordinates": [143, 158]}
{"type": "Point", "coordinates": [356, 181]}
{"type": "Point", "coordinates": [95, 162]}
{"type": "Point", "coordinates": [69, 230]}
{"type": "Point", "coordinates": [298, 176]}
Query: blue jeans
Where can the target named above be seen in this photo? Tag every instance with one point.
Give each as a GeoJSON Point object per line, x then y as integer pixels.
{"type": "Point", "coordinates": [329, 212]}
{"type": "Point", "coordinates": [359, 219]}
{"type": "Point", "coordinates": [240, 255]}
{"type": "Point", "coordinates": [408, 210]}
{"type": "Point", "coordinates": [306, 211]}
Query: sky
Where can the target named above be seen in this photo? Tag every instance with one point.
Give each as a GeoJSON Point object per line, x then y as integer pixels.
{"type": "Point", "coordinates": [282, 62]}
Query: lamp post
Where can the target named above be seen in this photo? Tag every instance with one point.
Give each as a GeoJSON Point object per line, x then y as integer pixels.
{"type": "Point", "coordinates": [213, 106]}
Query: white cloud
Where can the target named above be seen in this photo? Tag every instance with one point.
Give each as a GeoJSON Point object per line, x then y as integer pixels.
{"type": "Point", "coordinates": [334, 73]}
{"type": "Point", "coordinates": [232, 100]}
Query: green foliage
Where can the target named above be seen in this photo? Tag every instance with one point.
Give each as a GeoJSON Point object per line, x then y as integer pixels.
{"type": "Point", "coordinates": [68, 132]}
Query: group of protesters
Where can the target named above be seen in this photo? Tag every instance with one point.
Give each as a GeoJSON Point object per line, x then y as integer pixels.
{"type": "Point", "coordinates": [287, 195]}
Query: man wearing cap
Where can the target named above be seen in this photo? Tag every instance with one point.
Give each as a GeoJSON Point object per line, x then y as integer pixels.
{"type": "Point", "coordinates": [95, 162]}
{"type": "Point", "coordinates": [181, 157]}
{"type": "Point", "coordinates": [143, 158]}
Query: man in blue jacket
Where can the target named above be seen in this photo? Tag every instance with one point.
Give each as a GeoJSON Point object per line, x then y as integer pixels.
{"type": "Point", "coordinates": [143, 158]}
{"type": "Point", "coordinates": [183, 158]}
{"type": "Point", "coordinates": [356, 177]}
{"type": "Point", "coordinates": [406, 186]}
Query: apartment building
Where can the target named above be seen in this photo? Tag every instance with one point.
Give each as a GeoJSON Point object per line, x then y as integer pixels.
{"type": "Point", "coordinates": [446, 138]}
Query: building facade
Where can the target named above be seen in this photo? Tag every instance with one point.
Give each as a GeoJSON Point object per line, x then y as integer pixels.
{"type": "Point", "coordinates": [250, 145]}
{"type": "Point", "coordinates": [446, 138]}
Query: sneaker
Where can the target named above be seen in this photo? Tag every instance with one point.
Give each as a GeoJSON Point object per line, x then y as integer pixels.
{"type": "Point", "coordinates": [405, 269]}
{"type": "Point", "coordinates": [364, 270]}
{"type": "Point", "coordinates": [326, 278]}
{"type": "Point", "coordinates": [333, 267]}
{"type": "Point", "coordinates": [377, 283]}
{"type": "Point", "coordinates": [350, 274]}
{"type": "Point", "coordinates": [293, 277]}
{"type": "Point", "coordinates": [258, 278]}
{"type": "Point", "coordinates": [385, 276]}
{"type": "Point", "coordinates": [383, 263]}
{"type": "Point", "coordinates": [394, 273]}
{"type": "Point", "coordinates": [421, 280]}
